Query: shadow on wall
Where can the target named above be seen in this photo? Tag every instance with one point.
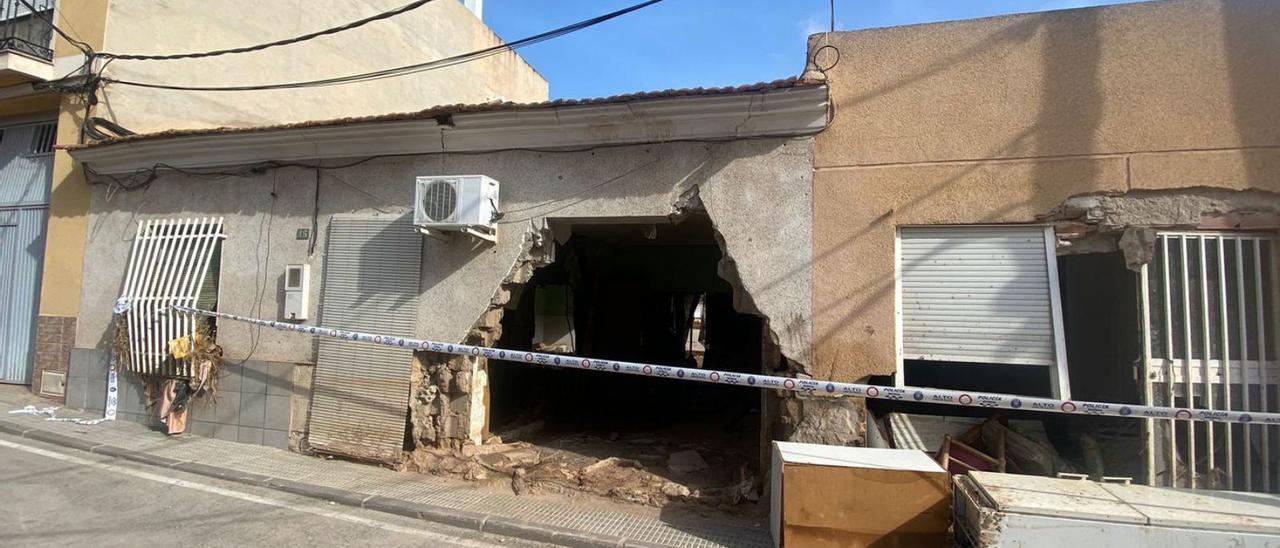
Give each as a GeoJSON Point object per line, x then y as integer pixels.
{"type": "Point", "coordinates": [1072, 100]}
{"type": "Point", "coordinates": [1070, 110]}
{"type": "Point", "coordinates": [1252, 39]}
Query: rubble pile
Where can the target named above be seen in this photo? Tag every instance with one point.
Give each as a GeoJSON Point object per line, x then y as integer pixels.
{"type": "Point", "coordinates": [641, 471]}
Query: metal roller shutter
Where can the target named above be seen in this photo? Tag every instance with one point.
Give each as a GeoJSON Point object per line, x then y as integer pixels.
{"type": "Point", "coordinates": [979, 294]}
{"type": "Point", "coordinates": [361, 391]}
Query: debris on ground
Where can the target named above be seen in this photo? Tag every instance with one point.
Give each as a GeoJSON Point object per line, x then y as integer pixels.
{"type": "Point", "coordinates": [51, 414]}
{"type": "Point", "coordinates": [643, 470]}
{"type": "Point", "coordinates": [520, 433]}
{"type": "Point", "coordinates": [517, 481]}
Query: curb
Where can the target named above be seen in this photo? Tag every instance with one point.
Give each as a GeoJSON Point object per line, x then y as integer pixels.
{"type": "Point", "coordinates": [508, 527]}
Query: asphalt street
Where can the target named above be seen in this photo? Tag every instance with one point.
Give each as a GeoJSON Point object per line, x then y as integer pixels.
{"type": "Point", "coordinates": [51, 496]}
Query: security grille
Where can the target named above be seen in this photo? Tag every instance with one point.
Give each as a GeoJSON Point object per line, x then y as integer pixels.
{"type": "Point", "coordinates": [370, 283]}
{"type": "Point", "coordinates": [981, 294]}
{"type": "Point", "coordinates": [168, 266]}
{"type": "Point", "coordinates": [1209, 315]}
{"type": "Point", "coordinates": [42, 139]}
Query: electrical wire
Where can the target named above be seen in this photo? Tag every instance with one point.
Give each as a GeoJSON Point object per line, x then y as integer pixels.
{"type": "Point", "coordinates": [143, 177]}
{"type": "Point", "coordinates": [255, 332]}
{"type": "Point", "coordinates": [83, 47]}
{"type": "Point", "coordinates": [334, 30]}
{"type": "Point", "coordinates": [315, 218]}
{"type": "Point", "coordinates": [407, 69]}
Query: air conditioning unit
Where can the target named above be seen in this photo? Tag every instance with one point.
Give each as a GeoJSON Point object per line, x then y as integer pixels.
{"type": "Point", "coordinates": [458, 203]}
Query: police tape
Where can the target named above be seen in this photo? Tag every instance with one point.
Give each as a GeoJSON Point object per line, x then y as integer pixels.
{"type": "Point", "coordinates": [799, 385]}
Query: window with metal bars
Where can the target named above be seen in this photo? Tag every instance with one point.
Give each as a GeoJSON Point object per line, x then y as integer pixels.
{"type": "Point", "coordinates": [42, 139]}
{"type": "Point", "coordinates": [1210, 323]}
{"type": "Point", "coordinates": [174, 262]}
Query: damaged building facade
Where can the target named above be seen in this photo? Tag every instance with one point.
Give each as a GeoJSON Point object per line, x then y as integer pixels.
{"type": "Point", "coordinates": [40, 329]}
{"type": "Point", "coordinates": [1080, 203]}
{"type": "Point", "coordinates": [667, 228]}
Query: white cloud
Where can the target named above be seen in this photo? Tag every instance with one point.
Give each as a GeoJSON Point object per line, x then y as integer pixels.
{"type": "Point", "coordinates": [817, 22]}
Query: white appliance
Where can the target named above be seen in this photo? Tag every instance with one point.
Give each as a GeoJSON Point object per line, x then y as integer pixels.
{"type": "Point", "coordinates": [297, 291]}
{"type": "Point", "coordinates": [553, 319]}
{"type": "Point", "coordinates": [1008, 510]}
{"type": "Point", "coordinates": [457, 203]}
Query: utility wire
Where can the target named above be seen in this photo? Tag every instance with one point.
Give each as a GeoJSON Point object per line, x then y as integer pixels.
{"type": "Point", "coordinates": [408, 69]}
{"type": "Point", "coordinates": [142, 178]}
{"type": "Point", "coordinates": [83, 47]}
{"type": "Point", "coordinates": [195, 55]}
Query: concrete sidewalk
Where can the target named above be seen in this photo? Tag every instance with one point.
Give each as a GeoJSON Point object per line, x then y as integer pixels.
{"type": "Point", "coordinates": [421, 496]}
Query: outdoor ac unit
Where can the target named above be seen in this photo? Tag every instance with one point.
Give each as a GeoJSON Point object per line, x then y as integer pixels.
{"type": "Point", "coordinates": [459, 203]}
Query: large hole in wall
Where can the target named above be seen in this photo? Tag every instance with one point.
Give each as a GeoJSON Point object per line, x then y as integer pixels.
{"type": "Point", "coordinates": [643, 293]}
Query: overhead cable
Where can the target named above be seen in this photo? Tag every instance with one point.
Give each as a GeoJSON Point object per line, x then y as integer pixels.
{"type": "Point", "coordinates": [334, 30]}
{"type": "Point", "coordinates": [408, 69]}
{"type": "Point", "coordinates": [83, 47]}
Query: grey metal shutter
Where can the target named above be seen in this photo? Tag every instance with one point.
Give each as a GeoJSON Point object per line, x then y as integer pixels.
{"type": "Point", "coordinates": [25, 176]}
{"type": "Point", "coordinates": [25, 169]}
{"type": "Point", "coordinates": [977, 294]}
{"type": "Point", "coordinates": [22, 235]}
{"type": "Point", "coordinates": [370, 284]}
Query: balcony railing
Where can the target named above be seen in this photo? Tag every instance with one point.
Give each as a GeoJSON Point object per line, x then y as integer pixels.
{"type": "Point", "coordinates": [25, 32]}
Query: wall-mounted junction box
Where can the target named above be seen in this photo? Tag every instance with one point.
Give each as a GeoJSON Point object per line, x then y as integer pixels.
{"type": "Point", "coordinates": [297, 291]}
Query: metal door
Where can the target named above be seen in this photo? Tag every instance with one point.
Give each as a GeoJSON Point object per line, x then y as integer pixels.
{"type": "Point", "coordinates": [370, 283]}
{"type": "Point", "coordinates": [26, 159]}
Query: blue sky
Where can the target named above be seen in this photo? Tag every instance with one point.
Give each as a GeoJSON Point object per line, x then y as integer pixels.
{"type": "Point", "coordinates": [692, 43]}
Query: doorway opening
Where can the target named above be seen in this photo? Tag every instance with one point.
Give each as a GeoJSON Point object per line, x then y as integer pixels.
{"type": "Point", "coordinates": [645, 293]}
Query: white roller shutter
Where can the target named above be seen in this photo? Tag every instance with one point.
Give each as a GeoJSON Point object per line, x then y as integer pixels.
{"type": "Point", "coordinates": [360, 396]}
{"type": "Point", "coordinates": [982, 294]}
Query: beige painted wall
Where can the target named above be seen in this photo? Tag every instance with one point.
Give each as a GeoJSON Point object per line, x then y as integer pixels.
{"type": "Point", "coordinates": [84, 20]}
{"type": "Point", "coordinates": [998, 120]}
{"type": "Point", "coordinates": [69, 196]}
{"type": "Point", "coordinates": [436, 30]}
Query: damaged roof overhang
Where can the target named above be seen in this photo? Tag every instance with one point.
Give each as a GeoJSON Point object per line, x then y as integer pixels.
{"type": "Point", "coordinates": [775, 109]}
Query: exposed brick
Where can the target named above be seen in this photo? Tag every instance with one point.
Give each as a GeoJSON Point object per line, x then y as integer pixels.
{"type": "Point", "coordinates": [55, 337]}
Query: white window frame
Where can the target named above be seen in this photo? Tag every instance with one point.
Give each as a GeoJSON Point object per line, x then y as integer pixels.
{"type": "Point", "coordinates": [1059, 378]}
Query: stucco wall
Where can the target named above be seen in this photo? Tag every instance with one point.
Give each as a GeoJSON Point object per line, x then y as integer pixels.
{"type": "Point", "coordinates": [85, 20]}
{"type": "Point", "coordinates": [436, 30]}
{"type": "Point", "coordinates": [756, 192]}
{"type": "Point", "coordinates": [1000, 120]}
{"type": "Point", "coordinates": [69, 196]}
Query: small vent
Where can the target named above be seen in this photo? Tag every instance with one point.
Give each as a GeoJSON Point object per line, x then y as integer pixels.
{"type": "Point", "coordinates": [42, 139]}
{"type": "Point", "coordinates": [440, 201]}
{"type": "Point", "coordinates": [53, 384]}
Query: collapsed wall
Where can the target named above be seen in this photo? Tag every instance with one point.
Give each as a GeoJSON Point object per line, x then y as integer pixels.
{"type": "Point", "coordinates": [758, 198]}
{"type": "Point", "coordinates": [1104, 222]}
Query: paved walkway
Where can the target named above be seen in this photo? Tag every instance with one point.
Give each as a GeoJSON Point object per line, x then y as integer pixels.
{"type": "Point", "coordinates": [431, 498]}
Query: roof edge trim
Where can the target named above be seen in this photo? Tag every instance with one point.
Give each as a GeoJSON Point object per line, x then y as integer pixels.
{"type": "Point", "coordinates": [778, 112]}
